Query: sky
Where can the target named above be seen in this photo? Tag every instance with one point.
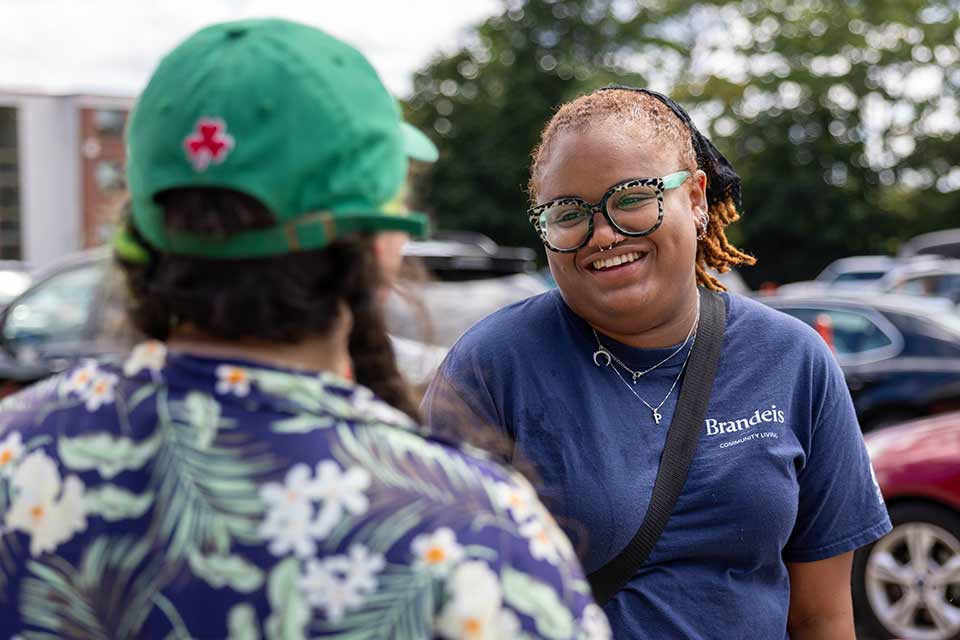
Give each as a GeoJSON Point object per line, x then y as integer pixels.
{"type": "Point", "coordinates": [109, 47]}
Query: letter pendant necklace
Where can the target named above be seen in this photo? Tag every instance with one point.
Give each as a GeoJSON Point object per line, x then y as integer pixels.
{"type": "Point", "coordinates": [602, 353]}
{"type": "Point", "coordinates": [657, 417]}
{"type": "Point", "coordinates": [603, 358]}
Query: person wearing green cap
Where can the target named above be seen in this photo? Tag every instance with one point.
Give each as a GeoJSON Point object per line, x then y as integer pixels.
{"type": "Point", "coordinates": [256, 469]}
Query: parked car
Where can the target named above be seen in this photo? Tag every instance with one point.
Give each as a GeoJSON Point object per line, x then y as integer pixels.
{"type": "Point", "coordinates": [14, 279]}
{"type": "Point", "coordinates": [466, 255]}
{"type": "Point", "coordinates": [926, 275]}
{"type": "Point", "coordinates": [58, 320]}
{"type": "Point", "coordinates": [900, 355]}
{"type": "Point", "coordinates": [856, 270]}
{"type": "Point", "coordinates": [941, 243]}
{"type": "Point", "coordinates": [438, 313]}
{"type": "Point", "coordinates": [75, 309]}
{"type": "Point", "coordinates": [907, 584]}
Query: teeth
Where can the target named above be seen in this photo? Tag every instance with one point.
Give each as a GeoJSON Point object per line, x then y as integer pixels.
{"type": "Point", "coordinates": [607, 263]}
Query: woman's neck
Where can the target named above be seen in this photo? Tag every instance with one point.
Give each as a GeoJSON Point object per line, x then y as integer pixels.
{"type": "Point", "coordinates": [672, 331]}
{"type": "Point", "coordinates": [317, 353]}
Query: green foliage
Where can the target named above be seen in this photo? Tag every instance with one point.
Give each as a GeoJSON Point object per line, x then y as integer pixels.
{"type": "Point", "coordinates": [834, 129]}
{"type": "Point", "coordinates": [840, 115]}
{"type": "Point", "coordinates": [485, 105]}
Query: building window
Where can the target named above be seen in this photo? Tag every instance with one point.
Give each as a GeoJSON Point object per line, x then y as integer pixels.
{"type": "Point", "coordinates": [10, 248]}
{"type": "Point", "coordinates": [109, 121]}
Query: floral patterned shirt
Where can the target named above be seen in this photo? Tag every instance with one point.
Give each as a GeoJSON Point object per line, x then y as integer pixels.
{"type": "Point", "coordinates": [186, 497]}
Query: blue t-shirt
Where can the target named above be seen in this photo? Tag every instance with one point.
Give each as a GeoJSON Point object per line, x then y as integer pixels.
{"type": "Point", "coordinates": [780, 474]}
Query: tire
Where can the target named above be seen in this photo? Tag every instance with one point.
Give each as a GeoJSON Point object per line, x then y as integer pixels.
{"type": "Point", "coordinates": [895, 598]}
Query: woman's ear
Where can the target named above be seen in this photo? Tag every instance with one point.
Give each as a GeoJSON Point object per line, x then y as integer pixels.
{"type": "Point", "coordinates": [388, 250]}
{"type": "Point", "coordinates": [698, 192]}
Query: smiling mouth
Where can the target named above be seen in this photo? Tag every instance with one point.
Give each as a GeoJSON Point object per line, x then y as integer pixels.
{"type": "Point", "coordinates": [605, 264]}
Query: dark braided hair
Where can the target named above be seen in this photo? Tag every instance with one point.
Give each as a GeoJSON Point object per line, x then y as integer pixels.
{"type": "Point", "coordinates": [662, 119]}
{"type": "Point", "coordinates": [280, 299]}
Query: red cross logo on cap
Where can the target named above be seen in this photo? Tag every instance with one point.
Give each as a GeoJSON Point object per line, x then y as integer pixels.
{"type": "Point", "coordinates": [210, 143]}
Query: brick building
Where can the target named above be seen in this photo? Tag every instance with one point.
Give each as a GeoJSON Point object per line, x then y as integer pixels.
{"type": "Point", "coordinates": [61, 172]}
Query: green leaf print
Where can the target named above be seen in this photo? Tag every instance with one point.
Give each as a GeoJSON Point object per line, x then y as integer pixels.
{"type": "Point", "coordinates": [109, 595]}
{"type": "Point", "coordinates": [242, 623]}
{"type": "Point", "coordinates": [113, 503]}
{"type": "Point", "coordinates": [538, 600]}
{"type": "Point", "coordinates": [107, 454]}
{"type": "Point", "coordinates": [425, 479]}
{"type": "Point", "coordinates": [307, 393]}
{"type": "Point", "coordinates": [203, 412]}
{"type": "Point", "coordinates": [304, 423]}
{"type": "Point", "coordinates": [226, 571]}
{"type": "Point", "coordinates": [206, 496]}
{"type": "Point", "coordinates": [289, 610]}
{"type": "Point", "coordinates": [404, 606]}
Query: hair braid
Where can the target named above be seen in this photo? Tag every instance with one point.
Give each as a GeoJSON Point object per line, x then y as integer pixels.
{"type": "Point", "coordinates": [657, 121]}
{"type": "Point", "coordinates": [714, 250]}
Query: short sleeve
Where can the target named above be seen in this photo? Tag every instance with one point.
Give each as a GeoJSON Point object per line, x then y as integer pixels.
{"type": "Point", "coordinates": [840, 505]}
{"type": "Point", "coordinates": [459, 395]}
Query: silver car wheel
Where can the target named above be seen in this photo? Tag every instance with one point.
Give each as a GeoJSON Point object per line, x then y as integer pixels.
{"type": "Point", "coordinates": [913, 582]}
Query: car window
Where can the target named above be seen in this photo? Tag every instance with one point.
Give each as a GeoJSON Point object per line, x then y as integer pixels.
{"type": "Point", "coordinates": [852, 333]}
{"type": "Point", "coordinates": [858, 276]}
{"type": "Point", "coordinates": [12, 284]}
{"type": "Point", "coordinates": [940, 284]}
{"type": "Point", "coordinates": [914, 286]}
{"type": "Point", "coordinates": [951, 323]}
{"type": "Point", "coordinates": [57, 309]}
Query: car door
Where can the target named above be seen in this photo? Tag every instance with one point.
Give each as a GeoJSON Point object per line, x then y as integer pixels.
{"type": "Point", "coordinates": [865, 342]}
{"type": "Point", "coordinates": [51, 325]}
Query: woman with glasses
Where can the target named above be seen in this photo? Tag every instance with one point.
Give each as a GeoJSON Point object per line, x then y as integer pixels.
{"type": "Point", "coordinates": [631, 203]}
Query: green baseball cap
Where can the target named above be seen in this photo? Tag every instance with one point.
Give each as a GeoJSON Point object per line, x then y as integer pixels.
{"type": "Point", "coordinates": [284, 113]}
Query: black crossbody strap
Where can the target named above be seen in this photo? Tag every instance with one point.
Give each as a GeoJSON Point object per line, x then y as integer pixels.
{"type": "Point", "coordinates": [678, 451]}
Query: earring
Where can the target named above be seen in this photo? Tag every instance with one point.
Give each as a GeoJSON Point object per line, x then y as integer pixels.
{"type": "Point", "coordinates": [704, 221]}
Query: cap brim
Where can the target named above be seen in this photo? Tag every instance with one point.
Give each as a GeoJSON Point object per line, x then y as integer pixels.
{"type": "Point", "coordinates": [417, 145]}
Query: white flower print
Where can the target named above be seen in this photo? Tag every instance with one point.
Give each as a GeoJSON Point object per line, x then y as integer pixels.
{"type": "Point", "coordinates": [594, 625]}
{"type": "Point", "coordinates": [360, 568]}
{"type": "Point", "coordinates": [518, 497]}
{"type": "Point", "coordinates": [296, 489]}
{"type": "Point", "coordinates": [289, 513]}
{"type": "Point", "coordinates": [233, 380]}
{"type": "Point", "coordinates": [40, 509]}
{"type": "Point", "coordinates": [339, 583]}
{"type": "Point", "coordinates": [542, 546]}
{"type": "Point", "coordinates": [11, 448]}
{"type": "Point", "coordinates": [326, 592]}
{"type": "Point", "coordinates": [339, 492]}
{"type": "Point", "coordinates": [289, 529]}
{"type": "Point", "coordinates": [150, 355]}
{"type": "Point", "coordinates": [438, 552]}
{"type": "Point", "coordinates": [100, 391]}
{"type": "Point", "coordinates": [474, 610]}
{"type": "Point", "coordinates": [79, 379]}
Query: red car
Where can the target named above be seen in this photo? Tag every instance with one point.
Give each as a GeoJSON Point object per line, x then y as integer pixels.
{"type": "Point", "coordinates": [907, 584]}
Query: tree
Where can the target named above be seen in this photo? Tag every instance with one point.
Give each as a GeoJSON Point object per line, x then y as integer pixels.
{"type": "Point", "coordinates": [840, 115]}
{"type": "Point", "coordinates": [836, 113]}
{"type": "Point", "coordinates": [486, 104]}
